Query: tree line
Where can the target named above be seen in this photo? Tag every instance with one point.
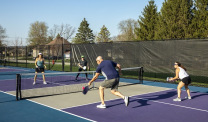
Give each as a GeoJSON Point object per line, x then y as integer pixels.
{"type": "Point", "coordinates": [177, 19]}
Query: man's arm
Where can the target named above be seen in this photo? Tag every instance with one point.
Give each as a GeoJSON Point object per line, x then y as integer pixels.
{"type": "Point", "coordinates": [80, 65]}
{"type": "Point", "coordinates": [93, 79]}
{"type": "Point", "coordinates": [119, 68]}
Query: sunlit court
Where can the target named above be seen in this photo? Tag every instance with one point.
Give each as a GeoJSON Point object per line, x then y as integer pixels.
{"type": "Point", "coordinates": [104, 61]}
{"type": "Point", "coordinates": [63, 95]}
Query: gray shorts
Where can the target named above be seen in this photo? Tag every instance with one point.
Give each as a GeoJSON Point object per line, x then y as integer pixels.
{"type": "Point", "coordinates": [112, 83]}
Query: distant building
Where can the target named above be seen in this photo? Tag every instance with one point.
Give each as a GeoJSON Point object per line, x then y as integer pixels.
{"type": "Point", "coordinates": [53, 50]}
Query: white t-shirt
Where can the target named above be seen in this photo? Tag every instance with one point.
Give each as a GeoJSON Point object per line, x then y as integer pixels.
{"type": "Point", "coordinates": [182, 73]}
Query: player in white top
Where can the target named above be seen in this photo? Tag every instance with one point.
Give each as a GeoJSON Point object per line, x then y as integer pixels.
{"type": "Point", "coordinates": [185, 80]}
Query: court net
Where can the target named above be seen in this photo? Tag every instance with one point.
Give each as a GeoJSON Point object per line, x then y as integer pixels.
{"type": "Point", "coordinates": [67, 82]}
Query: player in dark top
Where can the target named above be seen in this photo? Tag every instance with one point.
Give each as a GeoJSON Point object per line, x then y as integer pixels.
{"type": "Point", "coordinates": [82, 66]}
{"type": "Point", "coordinates": [107, 68]}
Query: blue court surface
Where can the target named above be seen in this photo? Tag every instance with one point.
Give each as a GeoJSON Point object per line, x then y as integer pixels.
{"type": "Point", "coordinates": [144, 106]}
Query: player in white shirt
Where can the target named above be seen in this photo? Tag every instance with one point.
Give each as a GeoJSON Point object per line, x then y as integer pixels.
{"type": "Point", "coordinates": [185, 80]}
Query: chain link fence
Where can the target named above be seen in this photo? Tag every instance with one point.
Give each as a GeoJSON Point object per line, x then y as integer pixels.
{"type": "Point", "coordinates": [157, 57]}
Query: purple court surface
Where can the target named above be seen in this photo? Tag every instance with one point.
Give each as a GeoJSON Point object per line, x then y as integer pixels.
{"type": "Point", "coordinates": [11, 70]}
{"type": "Point", "coordinates": [153, 107]}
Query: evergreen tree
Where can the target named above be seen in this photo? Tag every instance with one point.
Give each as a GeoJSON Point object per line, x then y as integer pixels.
{"type": "Point", "coordinates": [84, 34]}
{"type": "Point", "coordinates": [174, 20]}
{"type": "Point", "coordinates": [104, 35]}
{"type": "Point", "coordinates": [200, 20]}
{"type": "Point", "coordinates": [147, 23]}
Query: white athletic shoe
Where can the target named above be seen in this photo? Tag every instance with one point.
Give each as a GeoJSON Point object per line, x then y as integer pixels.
{"type": "Point", "coordinates": [188, 97]}
{"type": "Point", "coordinates": [177, 99]}
{"type": "Point", "coordinates": [126, 100]}
{"type": "Point", "coordinates": [101, 106]}
{"type": "Point", "coordinates": [33, 83]}
{"type": "Point", "coordinates": [44, 82]}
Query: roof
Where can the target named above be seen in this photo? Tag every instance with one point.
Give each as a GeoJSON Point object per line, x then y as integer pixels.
{"type": "Point", "coordinates": [58, 40]}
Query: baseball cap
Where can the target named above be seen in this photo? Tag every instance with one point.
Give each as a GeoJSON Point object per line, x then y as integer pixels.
{"type": "Point", "coordinates": [82, 56]}
{"type": "Point", "coordinates": [40, 53]}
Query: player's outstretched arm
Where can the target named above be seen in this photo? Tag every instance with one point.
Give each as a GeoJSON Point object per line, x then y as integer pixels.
{"type": "Point", "coordinates": [93, 79]}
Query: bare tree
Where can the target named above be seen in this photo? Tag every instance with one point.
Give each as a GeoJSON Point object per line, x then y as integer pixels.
{"type": "Point", "coordinates": [127, 28]}
{"type": "Point", "coordinates": [65, 31]}
{"type": "Point", "coordinates": [17, 42]}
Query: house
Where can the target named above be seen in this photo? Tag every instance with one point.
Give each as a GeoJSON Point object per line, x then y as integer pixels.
{"type": "Point", "coordinates": [53, 50]}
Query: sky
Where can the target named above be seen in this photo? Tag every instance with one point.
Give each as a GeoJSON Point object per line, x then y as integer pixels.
{"type": "Point", "coordinates": [16, 16]}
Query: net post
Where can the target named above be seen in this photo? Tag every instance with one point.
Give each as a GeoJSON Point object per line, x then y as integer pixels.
{"type": "Point", "coordinates": [17, 86]}
{"type": "Point", "coordinates": [20, 84]}
{"type": "Point", "coordinates": [141, 75]}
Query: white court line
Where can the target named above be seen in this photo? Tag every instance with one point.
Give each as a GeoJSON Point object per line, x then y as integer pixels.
{"type": "Point", "coordinates": [51, 82]}
{"type": "Point", "coordinates": [172, 104]}
{"type": "Point", "coordinates": [63, 111]}
{"type": "Point", "coordinates": [54, 108]}
{"type": "Point", "coordinates": [134, 96]}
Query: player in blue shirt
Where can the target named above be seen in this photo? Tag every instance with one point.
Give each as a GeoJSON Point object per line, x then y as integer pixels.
{"type": "Point", "coordinates": [107, 68]}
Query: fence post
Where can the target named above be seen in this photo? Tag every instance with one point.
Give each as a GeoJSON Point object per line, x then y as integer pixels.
{"type": "Point", "coordinates": [26, 56]}
{"type": "Point", "coordinates": [49, 57]}
{"type": "Point", "coordinates": [62, 56]}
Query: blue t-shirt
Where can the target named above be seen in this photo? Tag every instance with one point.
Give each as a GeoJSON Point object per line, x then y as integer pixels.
{"type": "Point", "coordinates": [40, 64]}
{"type": "Point", "coordinates": [107, 68]}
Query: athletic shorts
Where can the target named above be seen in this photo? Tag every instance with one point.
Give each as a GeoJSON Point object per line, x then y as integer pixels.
{"type": "Point", "coordinates": [112, 83]}
{"type": "Point", "coordinates": [186, 80]}
{"type": "Point", "coordinates": [39, 69]}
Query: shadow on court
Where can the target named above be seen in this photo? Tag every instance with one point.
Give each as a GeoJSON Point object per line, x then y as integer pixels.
{"type": "Point", "coordinates": [144, 100]}
{"type": "Point", "coordinates": [199, 95]}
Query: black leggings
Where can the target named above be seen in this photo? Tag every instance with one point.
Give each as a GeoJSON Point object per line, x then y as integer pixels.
{"type": "Point", "coordinates": [80, 69]}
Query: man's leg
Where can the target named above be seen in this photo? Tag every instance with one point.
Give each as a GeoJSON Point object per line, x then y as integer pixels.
{"type": "Point", "coordinates": [114, 90]}
{"type": "Point", "coordinates": [101, 91]}
{"type": "Point", "coordinates": [80, 69]}
{"type": "Point", "coordinates": [86, 75]}
{"type": "Point", "coordinates": [117, 93]}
